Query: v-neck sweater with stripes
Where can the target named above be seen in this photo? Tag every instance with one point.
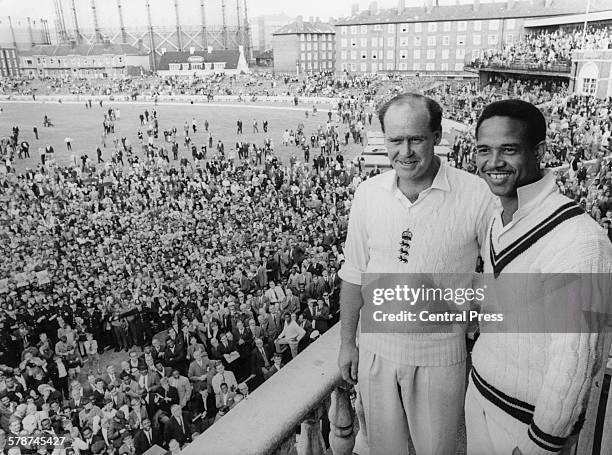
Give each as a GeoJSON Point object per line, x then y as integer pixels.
{"type": "Point", "coordinates": [540, 379]}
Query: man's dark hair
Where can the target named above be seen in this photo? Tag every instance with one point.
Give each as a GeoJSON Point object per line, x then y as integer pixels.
{"type": "Point", "coordinates": [527, 113]}
{"type": "Point", "coordinates": [434, 109]}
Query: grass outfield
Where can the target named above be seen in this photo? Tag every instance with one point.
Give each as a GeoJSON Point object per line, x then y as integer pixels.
{"type": "Point", "coordinates": [84, 126]}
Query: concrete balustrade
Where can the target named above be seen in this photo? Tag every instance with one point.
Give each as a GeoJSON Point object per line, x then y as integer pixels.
{"type": "Point", "coordinates": [296, 396]}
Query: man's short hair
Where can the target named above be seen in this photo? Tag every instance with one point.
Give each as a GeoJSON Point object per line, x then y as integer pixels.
{"type": "Point", "coordinates": [434, 109]}
{"type": "Point", "coordinates": [527, 113]}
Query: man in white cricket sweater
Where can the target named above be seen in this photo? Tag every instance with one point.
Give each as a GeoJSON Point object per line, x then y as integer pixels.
{"type": "Point", "coordinates": [420, 217]}
{"type": "Point", "coordinates": [527, 391]}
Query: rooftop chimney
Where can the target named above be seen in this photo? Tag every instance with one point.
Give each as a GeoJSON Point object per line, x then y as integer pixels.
{"type": "Point", "coordinates": [401, 6]}
{"type": "Point", "coordinates": [354, 9]}
{"type": "Point", "coordinates": [373, 8]}
{"type": "Point", "coordinates": [209, 49]}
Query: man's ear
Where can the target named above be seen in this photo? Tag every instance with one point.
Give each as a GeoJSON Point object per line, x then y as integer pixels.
{"type": "Point", "coordinates": [437, 137]}
{"type": "Point", "coordinates": [540, 150]}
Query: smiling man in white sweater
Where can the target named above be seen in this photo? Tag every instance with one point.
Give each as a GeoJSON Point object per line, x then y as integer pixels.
{"type": "Point", "coordinates": [528, 391]}
{"type": "Point", "coordinates": [421, 217]}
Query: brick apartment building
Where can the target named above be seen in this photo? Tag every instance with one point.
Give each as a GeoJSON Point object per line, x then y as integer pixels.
{"type": "Point", "coordinates": [439, 39]}
{"type": "Point", "coordinates": [304, 46]}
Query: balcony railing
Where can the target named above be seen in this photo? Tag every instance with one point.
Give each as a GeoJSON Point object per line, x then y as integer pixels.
{"type": "Point", "coordinates": [266, 421]}
{"type": "Point", "coordinates": [298, 395]}
{"type": "Point", "coordinates": [524, 66]}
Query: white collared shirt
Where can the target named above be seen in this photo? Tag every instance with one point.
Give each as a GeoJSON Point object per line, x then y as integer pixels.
{"type": "Point", "coordinates": [448, 222]}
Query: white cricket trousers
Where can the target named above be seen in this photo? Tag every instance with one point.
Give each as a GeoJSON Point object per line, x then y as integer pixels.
{"type": "Point", "coordinates": [401, 401]}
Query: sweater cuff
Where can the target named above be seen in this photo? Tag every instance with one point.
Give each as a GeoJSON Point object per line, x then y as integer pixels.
{"type": "Point", "coordinates": [537, 442]}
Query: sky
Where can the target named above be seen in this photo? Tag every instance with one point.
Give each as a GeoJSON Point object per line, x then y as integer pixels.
{"type": "Point", "coordinates": [163, 10]}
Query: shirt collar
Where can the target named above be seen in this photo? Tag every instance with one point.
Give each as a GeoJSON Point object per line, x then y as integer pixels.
{"type": "Point", "coordinates": [534, 193]}
{"type": "Point", "coordinates": [440, 181]}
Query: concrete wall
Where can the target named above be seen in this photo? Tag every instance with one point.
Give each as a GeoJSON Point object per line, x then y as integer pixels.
{"type": "Point", "coordinates": [286, 52]}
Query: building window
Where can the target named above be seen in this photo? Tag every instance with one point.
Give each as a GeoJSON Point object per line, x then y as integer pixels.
{"type": "Point", "coordinates": [308, 46]}
{"type": "Point", "coordinates": [492, 39]}
{"type": "Point", "coordinates": [302, 46]}
{"type": "Point", "coordinates": [458, 66]}
{"type": "Point", "coordinates": [475, 54]}
{"type": "Point", "coordinates": [417, 40]}
{"type": "Point", "coordinates": [444, 66]}
{"type": "Point", "coordinates": [431, 54]}
{"type": "Point", "coordinates": [329, 56]}
{"type": "Point", "coordinates": [343, 30]}
{"type": "Point", "coordinates": [403, 42]}
{"type": "Point", "coordinates": [416, 54]}
{"type": "Point", "coordinates": [364, 29]}
{"type": "Point", "coordinates": [477, 26]}
{"type": "Point", "coordinates": [302, 37]}
{"type": "Point", "coordinates": [374, 42]}
{"type": "Point", "coordinates": [462, 26]}
{"type": "Point", "coordinates": [391, 42]}
{"type": "Point", "coordinates": [403, 54]}
{"type": "Point", "coordinates": [364, 67]}
{"type": "Point", "coordinates": [353, 29]}
{"type": "Point", "coordinates": [364, 55]}
{"type": "Point", "coordinates": [510, 24]}
{"type": "Point", "coordinates": [343, 42]}
{"type": "Point", "coordinates": [418, 27]}
{"type": "Point", "coordinates": [509, 38]}
{"type": "Point", "coordinates": [476, 39]}
{"type": "Point", "coordinates": [416, 66]}
{"type": "Point", "coordinates": [303, 56]}
{"type": "Point", "coordinates": [315, 46]}
{"type": "Point", "coordinates": [430, 66]}
{"type": "Point", "coordinates": [432, 27]}
{"type": "Point", "coordinates": [445, 40]}
{"type": "Point", "coordinates": [445, 53]}
{"type": "Point", "coordinates": [403, 66]}
{"type": "Point", "coordinates": [389, 66]}
{"type": "Point", "coordinates": [446, 26]}
{"type": "Point", "coordinates": [493, 24]}
{"type": "Point", "coordinates": [353, 66]}
{"type": "Point", "coordinates": [589, 86]}
{"type": "Point", "coordinates": [460, 40]}
{"type": "Point", "coordinates": [389, 55]}
{"type": "Point", "coordinates": [431, 40]}
{"type": "Point", "coordinates": [353, 42]}
{"type": "Point", "coordinates": [460, 53]}
{"type": "Point", "coordinates": [353, 55]}
{"type": "Point", "coordinates": [374, 55]}
{"type": "Point", "coordinates": [343, 55]}
{"type": "Point", "coordinates": [378, 28]}
{"type": "Point", "coordinates": [404, 28]}
{"type": "Point", "coordinates": [364, 42]}
{"type": "Point", "coordinates": [391, 28]}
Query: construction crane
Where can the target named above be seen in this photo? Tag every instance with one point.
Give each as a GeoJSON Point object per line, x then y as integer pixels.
{"type": "Point", "coordinates": [60, 23]}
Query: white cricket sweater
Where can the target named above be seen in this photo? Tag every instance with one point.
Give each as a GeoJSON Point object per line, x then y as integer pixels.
{"type": "Point", "coordinates": [447, 222]}
{"type": "Point", "coordinates": [540, 379]}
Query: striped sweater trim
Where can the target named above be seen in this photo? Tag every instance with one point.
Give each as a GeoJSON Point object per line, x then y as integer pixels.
{"type": "Point", "coordinates": [523, 412]}
{"type": "Point", "coordinates": [545, 440]}
{"type": "Point", "coordinates": [507, 255]}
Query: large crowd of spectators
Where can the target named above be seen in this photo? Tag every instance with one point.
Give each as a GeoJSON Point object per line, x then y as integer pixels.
{"type": "Point", "coordinates": [210, 273]}
{"type": "Point", "coordinates": [546, 49]}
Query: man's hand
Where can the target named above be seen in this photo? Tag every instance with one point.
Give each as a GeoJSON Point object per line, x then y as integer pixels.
{"type": "Point", "coordinates": [348, 362]}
